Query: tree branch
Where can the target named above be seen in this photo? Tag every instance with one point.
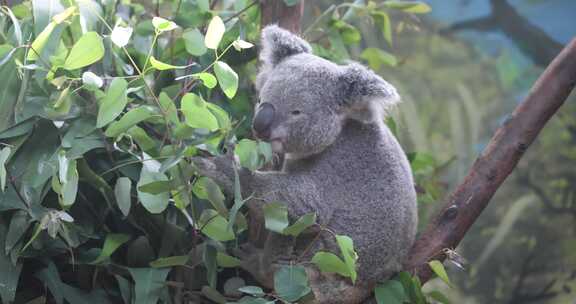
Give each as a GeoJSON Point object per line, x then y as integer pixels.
{"type": "Point", "coordinates": [277, 12]}
{"type": "Point", "coordinates": [495, 163]}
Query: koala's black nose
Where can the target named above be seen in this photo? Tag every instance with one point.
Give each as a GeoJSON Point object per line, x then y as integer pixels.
{"type": "Point", "coordinates": [263, 120]}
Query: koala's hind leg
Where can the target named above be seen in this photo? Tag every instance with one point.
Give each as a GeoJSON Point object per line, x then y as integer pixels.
{"type": "Point", "coordinates": [334, 289]}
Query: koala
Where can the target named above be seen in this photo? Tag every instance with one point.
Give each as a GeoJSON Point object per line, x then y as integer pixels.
{"type": "Point", "coordinates": [341, 162]}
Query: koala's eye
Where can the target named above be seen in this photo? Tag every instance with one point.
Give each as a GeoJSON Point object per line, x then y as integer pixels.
{"type": "Point", "coordinates": [296, 112]}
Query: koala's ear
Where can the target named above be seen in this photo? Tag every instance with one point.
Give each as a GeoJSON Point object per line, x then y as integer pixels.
{"type": "Point", "coordinates": [278, 44]}
{"type": "Point", "coordinates": [366, 95]}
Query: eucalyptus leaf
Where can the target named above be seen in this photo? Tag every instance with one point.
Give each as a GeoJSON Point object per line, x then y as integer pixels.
{"type": "Point", "coordinates": [194, 42]}
{"type": "Point", "coordinates": [214, 33]}
{"type": "Point", "coordinates": [122, 193]}
{"type": "Point", "coordinates": [87, 50]}
{"type": "Point", "coordinates": [113, 241]}
{"type": "Point", "coordinates": [113, 103]}
{"type": "Point", "coordinates": [275, 216]}
{"type": "Point", "coordinates": [227, 78]}
{"type": "Point", "coordinates": [291, 283]}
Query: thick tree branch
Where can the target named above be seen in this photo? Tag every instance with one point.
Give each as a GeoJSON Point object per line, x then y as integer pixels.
{"type": "Point", "coordinates": [277, 12]}
{"type": "Point", "coordinates": [495, 163]}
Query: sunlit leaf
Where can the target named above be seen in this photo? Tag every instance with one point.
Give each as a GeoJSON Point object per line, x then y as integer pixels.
{"type": "Point", "coordinates": [215, 32]}
{"type": "Point", "coordinates": [163, 25]}
{"type": "Point", "coordinates": [227, 78]}
{"type": "Point", "coordinates": [121, 35]}
{"type": "Point", "coordinates": [330, 263]}
{"type": "Point", "coordinates": [207, 79]}
{"type": "Point", "coordinates": [241, 44]}
{"type": "Point", "coordinates": [196, 113]}
{"type": "Point", "coordinates": [215, 226]}
{"type": "Point", "coordinates": [87, 50]}
{"type": "Point", "coordinates": [415, 7]}
{"type": "Point", "coordinates": [163, 66]}
{"type": "Point", "coordinates": [440, 271]}
{"type": "Point", "coordinates": [347, 249]}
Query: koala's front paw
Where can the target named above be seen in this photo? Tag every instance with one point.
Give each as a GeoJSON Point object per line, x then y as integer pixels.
{"type": "Point", "coordinates": [258, 263]}
{"type": "Point", "coordinates": [219, 169]}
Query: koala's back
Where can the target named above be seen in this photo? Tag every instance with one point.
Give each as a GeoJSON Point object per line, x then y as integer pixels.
{"type": "Point", "coordinates": [365, 191]}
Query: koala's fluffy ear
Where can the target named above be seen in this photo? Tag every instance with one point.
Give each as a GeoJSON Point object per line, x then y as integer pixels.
{"type": "Point", "coordinates": [278, 44]}
{"type": "Point", "coordinates": [367, 96]}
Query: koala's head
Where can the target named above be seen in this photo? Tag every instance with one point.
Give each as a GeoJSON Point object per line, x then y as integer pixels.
{"type": "Point", "coordinates": [304, 100]}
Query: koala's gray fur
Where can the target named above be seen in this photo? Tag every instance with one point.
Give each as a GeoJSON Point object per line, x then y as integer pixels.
{"type": "Point", "coordinates": [342, 162]}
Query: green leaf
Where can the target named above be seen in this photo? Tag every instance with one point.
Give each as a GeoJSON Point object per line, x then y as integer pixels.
{"type": "Point", "coordinates": [206, 188]}
{"type": "Point", "coordinates": [221, 116]}
{"type": "Point", "coordinates": [154, 203]}
{"type": "Point", "coordinates": [227, 78]}
{"type": "Point", "coordinates": [122, 194]}
{"type": "Point", "coordinates": [42, 39]}
{"type": "Point", "coordinates": [130, 119]}
{"type": "Point", "coordinates": [163, 25]}
{"type": "Point", "coordinates": [377, 57]}
{"type": "Point", "coordinates": [252, 290]}
{"type": "Point", "coordinates": [330, 263]}
{"type": "Point", "coordinates": [215, 32]}
{"type": "Point", "coordinates": [113, 103]}
{"type": "Point", "coordinates": [390, 292]}
{"type": "Point", "coordinates": [10, 273]}
{"type": "Point", "coordinates": [414, 7]}
{"type": "Point", "coordinates": [383, 20]}
{"type": "Point", "coordinates": [157, 64]}
{"type": "Point", "coordinates": [157, 187]}
{"type": "Point", "coordinates": [87, 50]}
{"type": "Point", "coordinates": [40, 42]}
{"type": "Point", "coordinates": [178, 260]}
{"type": "Point", "coordinates": [248, 153]}
{"type": "Point", "coordinates": [291, 283]}
{"type": "Point", "coordinates": [275, 216]}
{"type": "Point", "coordinates": [113, 241]}
{"type": "Point", "coordinates": [215, 226]}
{"type": "Point", "coordinates": [149, 284]}
{"type": "Point", "coordinates": [4, 154]}
{"type": "Point", "coordinates": [196, 113]}
{"type": "Point", "coordinates": [207, 79]}
{"type": "Point", "coordinates": [301, 224]}
{"type": "Point", "coordinates": [227, 261]}
{"type": "Point", "coordinates": [440, 271]}
{"type": "Point", "coordinates": [194, 42]}
{"type": "Point", "coordinates": [347, 249]}
{"type": "Point", "coordinates": [70, 187]}
{"type": "Point", "coordinates": [169, 108]}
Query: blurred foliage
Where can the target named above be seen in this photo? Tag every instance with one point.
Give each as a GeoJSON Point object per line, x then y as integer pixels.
{"type": "Point", "coordinates": [105, 102]}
